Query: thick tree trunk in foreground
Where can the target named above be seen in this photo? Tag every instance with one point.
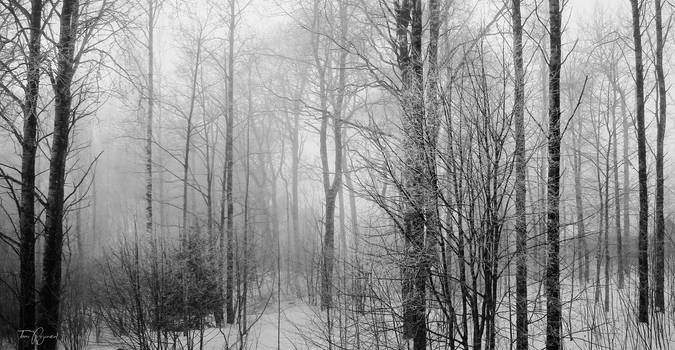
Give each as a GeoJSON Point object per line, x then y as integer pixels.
{"type": "Point", "coordinates": [419, 169]}
{"type": "Point", "coordinates": [659, 301]}
{"type": "Point", "coordinates": [50, 293]}
{"type": "Point", "coordinates": [625, 193]}
{"type": "Point", "coordinates": [28, 152]}
{"type": "Point", "coordinates": [521, 168]}
{"type": "Point", "coordinates": [553, 306]}
{"type": "Point", "coordinates": [643, 243]}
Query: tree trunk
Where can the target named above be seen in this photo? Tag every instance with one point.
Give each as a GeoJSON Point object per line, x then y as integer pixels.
{"type": "Point", "coordinates": [188, 136]}
{"type": "Point", "coordinates": [353, 217]}
{"type": "Point", "coordinates": [601, 217]}
{"type": "Point", "coordinates": [643, 243]}
{"type": "Point", "coordinates": [294, 243]}
{"type": "Point", "coordinates": [331, 187]}
{"type": "Point", "coordinates": [581, 229]}
{"type": "Point", "coordinates": [419, 175]}
{"type": "Point", "coordinates": [625, 195]}
{"type": "Point", "coordinates": [243, 302]}
{"type": "Point", "coordinates": [553, 306]}
{"type": "Point", "coordinates": [148, 126]}
{"type": "Point", "coordinates": [659, 301]}
{"type": "Point", "coordinates": [28, 152]}
{"type": "Point", "coordinates": [50, 293]}
{"type": "Point", "coordinates": [229, 161]}
{"type": "Point", "coordinates": [606, 238]}
{"type": "Point", "coordinates": [521, 168]}
{"type": "Point", "coordinates": [617, 193]}
{"type": "Point", "coordinates": [626, 182]}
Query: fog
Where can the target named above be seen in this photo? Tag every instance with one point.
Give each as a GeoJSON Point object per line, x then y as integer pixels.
{"type": "Point", "coordinates": [348, 174]}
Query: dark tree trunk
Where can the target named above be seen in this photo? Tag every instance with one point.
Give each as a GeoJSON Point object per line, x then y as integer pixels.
{"type": "Point", "coordinates": [229, 162]}
{"type": "Point", "coordinates": [148, 126]}
{"type": "Point", "coordinates": [50, 293]}
{"type": "Point", "coordinates": [659, 301]}
{"type": "Point", "coordinates": [643, 243]}
{"type": "Point", "coordinates": [606, 238]}
{"type": "Point", "coordinates": [521, 168]}
{"type": "Point", "coordinates": [419, 172]}
{"type": "Point", "coordinates": [553, 306]}
{"type": "Point", "coordinates": [28, 153]}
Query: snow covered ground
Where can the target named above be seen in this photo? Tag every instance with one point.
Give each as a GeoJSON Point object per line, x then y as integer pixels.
{"type": "Point", "coordinates": [294, 317]}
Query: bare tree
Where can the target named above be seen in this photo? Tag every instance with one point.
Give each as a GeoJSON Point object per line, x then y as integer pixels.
{"type": "Point", "coordinates": [229, 164]}
{"type": "Point", "coordinates": [29, 145]}
{"type": "Point", "coordinates": [643, 240]}
{"type": "Point", "coordinates": [521, 169]}
{"type": "Point", "coordinates": [659, 225]}
{"type": "Point", "coordinates": [50, 292]}
{"type": "Point", "coordinates": [553, 305]}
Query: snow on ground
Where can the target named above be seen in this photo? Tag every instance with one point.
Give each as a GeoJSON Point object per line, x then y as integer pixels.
{"type": "Point", "coordinates": [295, 316]}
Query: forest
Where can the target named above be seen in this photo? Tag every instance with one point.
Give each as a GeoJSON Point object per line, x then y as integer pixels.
{"type": "Point", "coordinates": [336, 174]}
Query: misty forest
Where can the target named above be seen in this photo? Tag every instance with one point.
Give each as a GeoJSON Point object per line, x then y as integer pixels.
{"type": "Point", "coordinates": [336, 174]}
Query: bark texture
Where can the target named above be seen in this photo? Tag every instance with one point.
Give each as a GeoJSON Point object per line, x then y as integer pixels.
{"type": "Point", "coordinates": [643, 243]}
{"type": "Point", "coordinates": [659, 225]}
{"type": "Point", "coordinates": [521, 168]}
{"type": "Point", "coordinates": [50, 292]}
{"type": "Point", "coordinates": [553, 306]}
{"type": "Point", "coordinates": [229, 163]}
{"type": "Point", "coordinates": [28, 153]}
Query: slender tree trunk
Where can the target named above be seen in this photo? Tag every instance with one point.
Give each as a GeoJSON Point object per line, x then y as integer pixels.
{"type": "Point", "coordinates": [659, 300]}
{"type": "Point", "coordinates": [625, 195]}
{"type": "Point", "coordinates": [343, 229]}
{"type": "Point", "coordinates": [581, 229]}
{"type": "Point", "coordinates": [50, 293]}
{"type": "Point", "coordinates": [28, 152]}
{"type": "Point", "coordinates": [553, 306]}
{"type": "Point", "coordinates": [188, 138]}
{"type": "Point", "coordinates": [643, 243]}
{"type": "Point", "coordinates": [331, 187]}
{"type": "Point", "coordinates": [601, 217]}
{"type": "Point", "coordinates": [148, 126]}
{"type": "Point", "coordinates": [296, 249]}
{"type": "Point", "coordinates": [617, 193]}
{"type": "Point", "coordinates": [626, 181]}
{"type": "Point", "coordinates": [229, 162]}
{"type": "Point", "coordinates": [521, 168]}
{"type": "Point", "coordinates": [606, 238]}
{"type": "Point", "coordinates": [243, 303]}
{"type": "Point", "coordinates": [221, 247]}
